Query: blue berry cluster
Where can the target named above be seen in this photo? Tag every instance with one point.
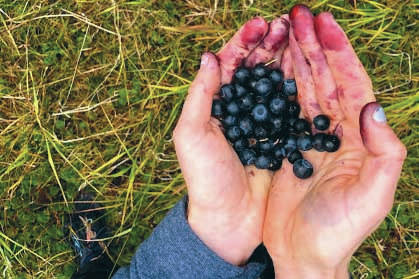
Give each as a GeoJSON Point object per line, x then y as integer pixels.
{"type": "Point", "coordinates": [260, 119]}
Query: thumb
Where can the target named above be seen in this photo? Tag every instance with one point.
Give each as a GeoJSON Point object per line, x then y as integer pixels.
{"type": "Point", "coordinates": [377, 136]}
{"type": "Point", "coordinates": [197, 108]}
{"type": "Point", "coordinates": [386, 153]}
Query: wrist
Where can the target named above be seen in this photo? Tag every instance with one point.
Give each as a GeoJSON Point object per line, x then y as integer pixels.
{"type": "Point", "coordinates": [304, 270]}
{"type": "Point", "coordinates": [227, 233]}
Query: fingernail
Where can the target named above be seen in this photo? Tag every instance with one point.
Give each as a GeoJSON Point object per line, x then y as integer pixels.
{"type": "Point", "coordinates": [379, 115]}
{"type": "Point", "coordinates": [204, 59]}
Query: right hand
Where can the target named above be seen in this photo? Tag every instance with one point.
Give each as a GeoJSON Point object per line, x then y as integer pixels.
{"type": "Point", "coordinates": [227, 202]}
{"type": "Point", "coordinates": [313, 226]}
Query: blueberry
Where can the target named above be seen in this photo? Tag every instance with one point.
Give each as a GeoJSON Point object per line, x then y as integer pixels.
{"type": "Point", "coordinates": [260, 113]}
{"type": "Point", "coordinates": [247, 156]}
{"type": "Point", "coordinates": [331, 143]}
{"type": "Point", "coordinates": [305, 142]}
{"type": "Point", "coordinates": [260, 132]}
{"type": "Point", "coordinates": [293, 109]}
{"type": "Point", "coordinates": [289, 87]}
{"type": "Point", "coordinates": [302, 168]}
{"type": "Point", "coordinates": [301, 125]}
{"type": "Point", "coordinates": [263, 162]}
{"type": "Point", "coordinates": [291, 122]}
{"type": "Point", "coordinates": [246, 103]}
{"type": "Point", "coordinates": [240, 90]}
{"type": "Point", "coordinates": [266, 146]}
{"type": "Point", "coordinates": [278, 123]}
{"type": "Point", "coordinates": [278, 105]}
{"type": "Point", "coordinates": [318, 140]}
{"type": "Point", "coordinates": [279, 152]}
{"type": "Point", "coordinates": [276, 164]}
{"type": "Point", "coordinates": [242, 75]}
{"type": "Point", "coordinates": [230, 120]}
{"type": "Point", "coordinates": [276, 133]}
{"type": "Point", "coordinates": [233, 133]}
{"type": "Point", "coordinates": [241, 144]}
{"type": "Point", "coordinates": [260, 71]}
{"type": "Point", "coordinates": [290, 144]}
{"type": "Point", "coordinates": [321, 122]}
{"type": "Point", "coordinates": [247, 126]}
{"type": "Point", "coordinates": [233, 108]}
{"type": "Point", "coordinates": [252, 83]}
{"type": "Point", "coordinates": [277, 77]}
{"type": "Point", "coordinates": [217, 109]}
{"type": "Point", "coordinates": [294, 156]}
{"type": "Point", "coordinates": [264, 87]}
{"type": "Point", "coordinates": [227, 92]}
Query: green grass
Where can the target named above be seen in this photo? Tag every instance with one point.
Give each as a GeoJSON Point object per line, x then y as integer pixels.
{"type": "Point", "coordinates": [90, 92]}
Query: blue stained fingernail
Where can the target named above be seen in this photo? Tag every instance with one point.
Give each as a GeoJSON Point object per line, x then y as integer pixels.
{"type": "Point", "coordinates": [379, 115]}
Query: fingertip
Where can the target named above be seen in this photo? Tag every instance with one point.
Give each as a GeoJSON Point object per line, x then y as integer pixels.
{"type": "Point", "coordinates": [254, 30]}
{"type": "Point", "coordinates": [298, 10]}
{"type": "Point", "coordinates": [209, 60]}
{"type": "Point", "coordinates": [329, 33]}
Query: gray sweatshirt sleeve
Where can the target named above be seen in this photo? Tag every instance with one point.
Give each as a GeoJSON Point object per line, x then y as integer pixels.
{"type": "Point", "coordinates": [173, 250]}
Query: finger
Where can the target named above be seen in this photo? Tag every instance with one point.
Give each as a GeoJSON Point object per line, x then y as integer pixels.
{"type": "Point", "coordinates": [381, 169]}
{"type": "Point", "coordinates": [196, 111]}
{"type": "Point", "coordinates": [354, 88]}
{"type": "Point", "coordinates": [240, 46]}
{"type": "Point", "coordinates": [274, 42]}
{"type": "Point", "coordinates": [324, 84]}
{"type": "Point", "coordinates": [279, 53]}
{"type": "Point", "coordinates": [286, 64]}
{"type": "Point", "coordinates": [306, 91]}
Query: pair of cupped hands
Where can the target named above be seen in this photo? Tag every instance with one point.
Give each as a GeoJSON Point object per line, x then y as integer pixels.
{"type": "Point", "coordinates": [310, 227]}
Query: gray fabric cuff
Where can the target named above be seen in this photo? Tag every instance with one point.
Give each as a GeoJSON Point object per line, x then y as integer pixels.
{"type": "Point", "coordinates": [174, 251]}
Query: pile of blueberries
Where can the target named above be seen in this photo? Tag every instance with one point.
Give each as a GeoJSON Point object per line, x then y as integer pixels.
{"type": "Point", "coordinates": [259, 113]}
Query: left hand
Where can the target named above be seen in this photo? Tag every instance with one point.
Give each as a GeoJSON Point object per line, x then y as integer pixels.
{"type": "Point", "coordinates": [227, 201]}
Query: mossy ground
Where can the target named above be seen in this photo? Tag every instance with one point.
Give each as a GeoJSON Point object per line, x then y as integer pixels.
{"type": "Point", "coordinates": [90, 92]}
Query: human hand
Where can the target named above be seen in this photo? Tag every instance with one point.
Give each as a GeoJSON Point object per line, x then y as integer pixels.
{"type": "Point", "coordinates": [227, 202]}
{"type": "Point", "coordinates": [313, 226]}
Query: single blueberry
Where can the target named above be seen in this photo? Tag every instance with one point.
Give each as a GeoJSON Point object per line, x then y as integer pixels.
{"type": "Point", "coordinates": [302, 125]}
{"type": "Point", "coordinates": [246, 103]}
{"type": "Point", "coordinates": [331, 143]}
{"type": "Point", "coordinates": [264, 87]}
{"type": "Point", "coordinates": [230, 120]}
{"type": "Point", "coordinates": [233, 108]}
{"type": "Point", "coordinates": [278, 123]}
{"type": "Point", "coordinates": [289, 87]}
{"type": "Point", "coordinates": [305, 142]}
{"type": "Point", "coordinates": [318, 140]}
{"type": "Point", "coordinates": [227, 92]}
{"type": "Point", "coordinates": [247, 126]}
{"type": "Point", "coordinates": [291, 122]}
{"type": "Point", "coordinates": [240, 90]}
{"type": "Point", "coordinates": [302, 168]}
{"type": "Point", "coordinates": [294, 156]}
{"type": "Point", "coordinates": [266, 146]}
{"type": "Point", "coordinates": [260, 71]}
{"type": "Point", "coordinates": [290, 144]}
{"type": "Point", "coordinates": [279, 152]}
{"type": "Point", "coordinates": [321, 122]}
{"type": "Point", "coordinates": [252, 84]}
{"type": "Point", "coordinates": [233, 133]}
{"type": "Point", "coordinates": [277, 77]}
{"type": "Point", "coordinates": [293, 109]}
{"type": "Point", "coordinates": [278, 105]}
{"type": "Point", "coordinates": [217, 109]}
{"type": "Point", "coordinates": [263, 162]}
{"type": "Point", "coordinates": [241, 144]}
{"type": "Point", "coordinates": [260, 113]}
{"type": "Point", "coordinates": [242, 75]}
{"type": "Point", "coordinates": [247, 156]}
{"type": "Point", "coordinates": [260, 132]}
{"type": "Point", "coordinates": [276, 164]}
